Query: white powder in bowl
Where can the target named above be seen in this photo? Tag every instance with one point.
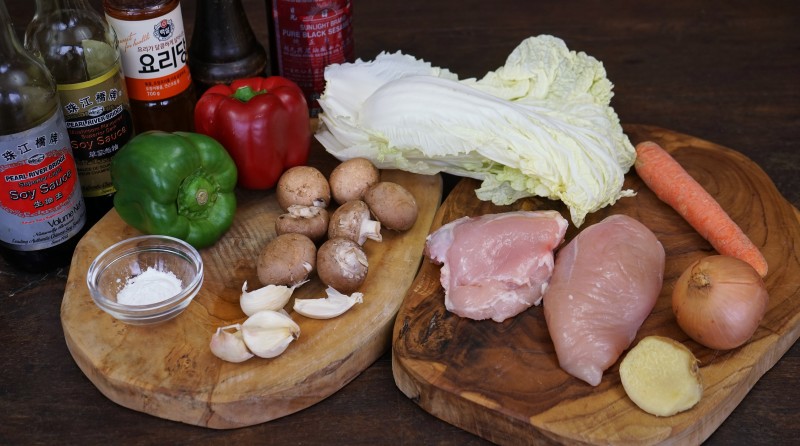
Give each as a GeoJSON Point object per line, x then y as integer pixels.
{"type": "Point", "coordinates": [149, 287]}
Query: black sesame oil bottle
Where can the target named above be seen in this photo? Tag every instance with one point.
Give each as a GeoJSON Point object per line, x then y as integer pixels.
{"type": "Point", "coordinates": [305, 37]}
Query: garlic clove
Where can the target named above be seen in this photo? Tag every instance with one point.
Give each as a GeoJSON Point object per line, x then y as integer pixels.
{"type": "Point", "coordinates": [229, 346]}
{"type": "Point", "coordinates": [268, 333]}
{"type": "Point", "coordinates": [329, 307]}
{"type": "Point", "coordinates": [270, 297]}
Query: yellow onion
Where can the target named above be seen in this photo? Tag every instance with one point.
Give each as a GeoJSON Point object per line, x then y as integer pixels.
{"type": "Point", "coordinates": [719, 301]}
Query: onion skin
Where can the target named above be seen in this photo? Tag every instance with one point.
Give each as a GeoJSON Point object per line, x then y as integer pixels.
{"type": "Point", "coordinates": [719, 301]}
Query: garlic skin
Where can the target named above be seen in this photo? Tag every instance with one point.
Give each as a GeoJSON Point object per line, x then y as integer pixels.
{"type": "Point", "coordinates": [268, 333]}
{"type": "Point", "coordinates": [329, 307]}
{"type": "Point", "coordinates": [270, 297]}
{"type": "Point", "coordinates": [229, 346]}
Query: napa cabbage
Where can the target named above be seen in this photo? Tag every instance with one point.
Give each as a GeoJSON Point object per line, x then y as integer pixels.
{"type": "Point", "coordinates": [540, 125]}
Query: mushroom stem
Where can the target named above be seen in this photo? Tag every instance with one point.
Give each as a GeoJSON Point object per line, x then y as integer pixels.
{"type": "Point", "coordinates": [352, 221]}
{"type": "Point", "coordinates": [370, 229]}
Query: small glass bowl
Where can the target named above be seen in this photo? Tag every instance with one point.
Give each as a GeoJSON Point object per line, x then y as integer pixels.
{"type": "Point", "coordinates": [110, 271]}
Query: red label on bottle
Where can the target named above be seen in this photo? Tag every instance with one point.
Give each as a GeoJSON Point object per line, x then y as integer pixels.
{"type": "Point", "coordinates": [40, 200]}
{"type": "Point", "coordinates": [311, 35]}
{"type": "Point", "coordinates": [41, 188]}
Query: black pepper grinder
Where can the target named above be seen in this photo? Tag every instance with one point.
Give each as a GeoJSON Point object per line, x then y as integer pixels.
{"type": "Point", "coordinates": [223, 47]}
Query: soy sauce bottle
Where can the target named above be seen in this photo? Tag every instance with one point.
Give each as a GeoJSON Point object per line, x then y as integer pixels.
{"type": "Point", "coordinates": [42, 212]}
{"type": "Point", "coordinates": [79, 48]}
{"type": "Point", "coordinates": [152, 41]}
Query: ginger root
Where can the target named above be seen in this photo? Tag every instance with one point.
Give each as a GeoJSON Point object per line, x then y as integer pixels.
{"type": "Point", "coordinates": [661, 376]}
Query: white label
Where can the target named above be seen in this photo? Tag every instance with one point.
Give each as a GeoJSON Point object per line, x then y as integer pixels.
{"type": "Point", "coordinates": [40, 204]}
{"type": "Point", "coordinates": [154, 55]}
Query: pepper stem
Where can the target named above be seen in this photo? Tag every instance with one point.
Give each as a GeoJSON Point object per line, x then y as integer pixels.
{"type": "Point", "coordinates": [201, 196]}
{"type": "Point", "coordinates": [246, 93]}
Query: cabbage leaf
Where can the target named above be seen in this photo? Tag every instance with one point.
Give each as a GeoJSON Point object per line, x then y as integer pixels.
{"type": "Point", "coordinates": [540, 125]}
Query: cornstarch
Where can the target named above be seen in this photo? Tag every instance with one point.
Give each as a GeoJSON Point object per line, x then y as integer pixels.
{"type": "Point", "coordinates": [149, 287]}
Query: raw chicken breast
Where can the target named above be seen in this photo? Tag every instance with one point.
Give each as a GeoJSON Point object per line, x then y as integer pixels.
{"type": "Point", "coordinates": [606, 282]}
{"type": "Point", "coordinates": [495, 266]}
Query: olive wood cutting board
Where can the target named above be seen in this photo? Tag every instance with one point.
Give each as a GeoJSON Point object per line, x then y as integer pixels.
{"type": "Point", "coordinates": [502, 381]}
{"type": "Point", "coordinates": [167, 370]}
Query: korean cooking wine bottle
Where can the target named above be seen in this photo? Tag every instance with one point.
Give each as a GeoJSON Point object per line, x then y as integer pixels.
{"type": "Point", "coordinates": [42, 212]}
{"type": "Point", "coordinates": [305, 37]}
{"type": "Point", "coordinates": [152, 41]}
{"type": "Point", "coordinates": [80, 50]}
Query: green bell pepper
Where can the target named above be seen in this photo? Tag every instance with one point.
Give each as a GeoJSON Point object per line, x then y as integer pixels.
{"type": "Point", "coordinates": [178, 184]}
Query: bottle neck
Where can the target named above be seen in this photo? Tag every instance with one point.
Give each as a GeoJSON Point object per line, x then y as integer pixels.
{"type": "Point", "coordinates": [73, 40]}
{"type": "Point", "coordinates": [48, 6]}
{"type": "Point", "coordinates": [27, 91]}
{"type": "Point", "coordinates": [134, 10]}
{"type": "Point", "coordinates": [9, 44]}
{"type": "Point", "coordinates": [44, 7]}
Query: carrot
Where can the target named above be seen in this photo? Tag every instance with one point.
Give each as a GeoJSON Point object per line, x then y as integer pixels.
{"type": "Point", "coordinates": [673, 185]}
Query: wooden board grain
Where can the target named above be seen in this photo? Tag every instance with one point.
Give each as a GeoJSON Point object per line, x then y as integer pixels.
{"type": "Point", "coordinates": [168, 370]}
{"type": "Point", "coordinates": [502, 381]}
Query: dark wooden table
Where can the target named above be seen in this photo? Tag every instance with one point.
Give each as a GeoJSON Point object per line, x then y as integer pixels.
{"type": "Point", "coordinates": [725, 71]}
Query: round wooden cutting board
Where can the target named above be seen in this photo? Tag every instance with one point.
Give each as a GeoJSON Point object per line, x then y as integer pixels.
{"type": "Point", "coordinates": [167, 370]}
{"type": "Point", "coordinates": [502, 381]}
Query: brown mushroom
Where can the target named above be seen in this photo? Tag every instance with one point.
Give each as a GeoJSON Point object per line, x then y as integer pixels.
{"type": "Point", "coordinates": [311, 221]}
{"type": "Point", "coordinates": [350, 179]}
{"type": "Point", "coordinates": [353, 221]}
{"type": "Point", "coordinates": [288, 259]}
{"type": "Point", "coordinates": [342, 264]}
{"type": "Point", "coordinates": [393, 205]}
{"type": "Point", "coordinates": [303, 185]}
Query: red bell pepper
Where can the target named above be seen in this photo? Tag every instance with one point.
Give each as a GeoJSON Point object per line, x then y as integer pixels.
{"type": "Point", "coordinates": [262, 122]}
